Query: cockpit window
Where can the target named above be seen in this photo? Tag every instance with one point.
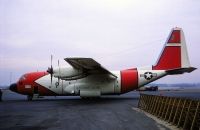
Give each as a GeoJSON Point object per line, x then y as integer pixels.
{"type": "Point", "coordinates": [23, 77]}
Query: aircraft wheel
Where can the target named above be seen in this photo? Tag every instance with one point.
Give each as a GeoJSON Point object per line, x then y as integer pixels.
{"type": "Point", "coordinates": [29, 97]}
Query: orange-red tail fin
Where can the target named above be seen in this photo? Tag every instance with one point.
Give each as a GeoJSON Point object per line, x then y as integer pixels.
{"type": "Point", "coordinates": [174, 55]}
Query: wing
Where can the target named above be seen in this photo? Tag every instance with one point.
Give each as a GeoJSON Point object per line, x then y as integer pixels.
{"type": "Point", "coordinates": [89, 65]}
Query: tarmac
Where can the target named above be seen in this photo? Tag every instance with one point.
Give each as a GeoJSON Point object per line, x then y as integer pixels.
{"type": "Point", "coordinates": [61, 113]}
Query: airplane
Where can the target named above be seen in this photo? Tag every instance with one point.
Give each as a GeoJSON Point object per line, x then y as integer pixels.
{"type": "Point", "coordinates": [87, 78]}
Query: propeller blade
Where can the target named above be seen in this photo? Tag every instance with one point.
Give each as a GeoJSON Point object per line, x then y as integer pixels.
{"type": "Point", "coordinates": [59, 71]}
{"type": "Point", "coordinates": [51, 72]}
{"type": "Point", "coordinates": [51, 60]}
{"type": "Point", "coordinates": [50, 69]}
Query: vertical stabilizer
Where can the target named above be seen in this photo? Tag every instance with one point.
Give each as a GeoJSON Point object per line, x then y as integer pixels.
{"type": "Point", "coordinates": [174, 54]}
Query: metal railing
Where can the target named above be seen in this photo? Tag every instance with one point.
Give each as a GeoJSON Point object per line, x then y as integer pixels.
{"type": "Point", "coordinates": [183, 113]}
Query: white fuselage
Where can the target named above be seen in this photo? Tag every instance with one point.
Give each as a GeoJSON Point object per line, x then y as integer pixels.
{"type": "Point", "coordinates": [94, 85]}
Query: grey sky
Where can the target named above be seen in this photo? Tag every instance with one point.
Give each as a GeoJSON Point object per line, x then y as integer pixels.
{"type": "Point", "coordinates": [119, 34]}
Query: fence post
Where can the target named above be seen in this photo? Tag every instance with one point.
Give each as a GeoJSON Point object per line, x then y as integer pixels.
{"type": "Point", "coordinates": [168, 108]}
{"type": "Point", "coordinates": [179, 121]}
{"type": "Point", "coordinates": [153, 104]}
{"type": "Point", "coordinates": [176, 112]}
{"type": "Point", "coordinates": [156, 104]}
{"type": "Point", "coordinates": [195, 116]}
{"type": "Point", "coordinates": [172, 108]}
{"type": "Point", "coordinates": [186, 118]}
{"type": "Point", "coordinates": [165, 107]}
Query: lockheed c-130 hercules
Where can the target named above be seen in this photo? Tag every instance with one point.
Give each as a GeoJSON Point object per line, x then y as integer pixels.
{"type": "Point", "coordinates": [88, 78]}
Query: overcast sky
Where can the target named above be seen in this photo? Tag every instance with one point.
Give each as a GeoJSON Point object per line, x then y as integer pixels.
{"type": "Point", "coordinates": [119, 34]}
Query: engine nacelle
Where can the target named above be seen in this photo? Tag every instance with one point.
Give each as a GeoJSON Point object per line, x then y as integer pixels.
{"type": "Point", "coordinates": [68, 73]}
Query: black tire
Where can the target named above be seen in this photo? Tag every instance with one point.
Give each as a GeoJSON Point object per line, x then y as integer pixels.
{"type": "Point", "coordinates": [29, 97]}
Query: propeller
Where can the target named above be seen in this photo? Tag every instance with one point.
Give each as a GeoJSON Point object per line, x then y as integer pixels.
{"type": "Point", "coordinates": [50, 69]}
{"type": "Point", "coordinates": [59, 71]}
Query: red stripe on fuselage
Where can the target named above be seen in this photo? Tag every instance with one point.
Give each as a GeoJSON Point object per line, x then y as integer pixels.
{"type": "Point", "coordinates": [129, 80]}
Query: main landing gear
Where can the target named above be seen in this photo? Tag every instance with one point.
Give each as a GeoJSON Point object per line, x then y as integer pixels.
{"type": "Point", "coordinates": [30, 97]}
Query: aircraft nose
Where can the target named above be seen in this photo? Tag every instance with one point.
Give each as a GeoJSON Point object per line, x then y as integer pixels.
{"type": "Point", "coordinates": [13, 87]}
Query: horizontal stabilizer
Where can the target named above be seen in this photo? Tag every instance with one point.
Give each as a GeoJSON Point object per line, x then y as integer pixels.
{"type": "Point", "coordinates": [180, 71]}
